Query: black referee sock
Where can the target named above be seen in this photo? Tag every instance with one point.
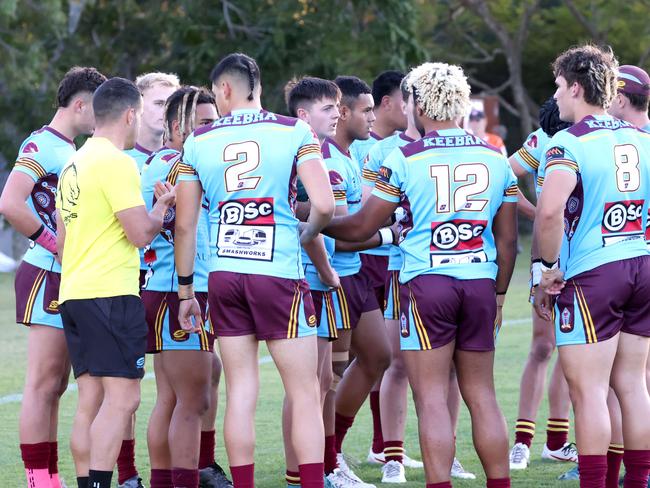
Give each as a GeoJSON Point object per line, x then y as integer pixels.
{"type": "Point", "coordinates": [82, 482]}
{"type": "Point", "coordinates": [99, 479]}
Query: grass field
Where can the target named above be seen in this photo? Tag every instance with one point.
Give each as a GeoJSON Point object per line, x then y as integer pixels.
{"type": "Point", "coordinates": [512, 349]}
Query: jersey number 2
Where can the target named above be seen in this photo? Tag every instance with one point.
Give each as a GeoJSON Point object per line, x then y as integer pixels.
{"type": "Point", "coordinates": [462, 196]}
{"type": "Point", "coordinates": [234, 175]}
{"type": "Point", "coordinates": [626, 158]}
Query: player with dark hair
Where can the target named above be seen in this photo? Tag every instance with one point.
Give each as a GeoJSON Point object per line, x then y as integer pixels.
{"type": "Point", "coordinates": [590, 229]}
{"type": "Point", "coordinates": [247, 164]}
{"type": "Point", "coordinates": [459, 244]}
{"type": "Point", "coordinates": [524, 161]}
{"type": "Point", "coordinates": [28, 203]}
{"type": "Point", "coordinates": [184, 363]}
{"type": "Point", "coordinates": [101, 222]}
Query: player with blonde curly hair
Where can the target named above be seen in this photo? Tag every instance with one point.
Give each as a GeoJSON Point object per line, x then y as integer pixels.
{"type": "Point", "coordinates": [459, 242]}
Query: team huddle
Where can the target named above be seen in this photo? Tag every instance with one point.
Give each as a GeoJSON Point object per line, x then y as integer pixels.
{"type": "Point", "coordinates": [366, 237]}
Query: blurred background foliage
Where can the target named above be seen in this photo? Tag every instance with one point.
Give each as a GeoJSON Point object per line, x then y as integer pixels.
{"type": "Point", "coordinates": [505, 46]}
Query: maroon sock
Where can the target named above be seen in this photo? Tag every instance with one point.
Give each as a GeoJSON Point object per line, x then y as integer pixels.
{"type": "Point", "coordinates": [498, 483]}
{"type": "Point", "coordinates": [161, 478]}
{"type": "Point", "coordinates": [206, 454]}
{"type": "Point", "coordinates": [53, 465]}
{"type": "Point", "coordinates": [614, 459]}
{"type": "Point", "coordinates": [377, 436]}
{"type": "Point", "coordinates": [444, 484]}
{"type": "Point", "coordinates": [36, 456]}
{"type": "Point", "coordinates": [593, 470]}
{"type": "Point", "coordinates": [394, 451]}
{"type": "Point", "coordinates": [330, 454]}
{"type": "Point", "coordinates": [637, 465]}
{"type": "Point", "coordinates": [185, 478]}
{"type": "Point", "coordinates": [557, 433]}
{"type": "Point", "coordinates": [243, 476]}
{"type": "Point", "coordinates": [292, 478]}
{"type": "Point", "coordinates": [524, 432]}
{"type": "Point", "coordinates": [126, 461]}
{"type": "Point", "coordinates": [311, 475]}
{"type": "Point", "coordinates": [341, 426]}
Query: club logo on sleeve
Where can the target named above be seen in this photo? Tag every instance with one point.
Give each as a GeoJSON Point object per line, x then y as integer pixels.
{"type": "Point", "coordinates": [335, 178]}
{"type": "Point", "coordinates": [246, 229]}
{"type": "Point", "coordinates": [622, 221]}
{"type": "Point", "coordinates": [457, 242]}
{"type": "Point", "coordinates": [30, 147]}
{"type": "Point", "coordinates": [385, 174]}
{"type": "Point", "coordinates": [532, 141]}
{"type": "Point", "coordinates": [555, 153]}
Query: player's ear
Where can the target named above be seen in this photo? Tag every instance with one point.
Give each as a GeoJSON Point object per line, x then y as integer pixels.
{"type": "Point", "coordinates": [575, 89]}
{"type": "Point", "coordinates": [344, 112]}
{"type": "Point", "coordinates": [302, 114]}
{"type": "Point", "coordinates": [130, 116]}
{"type": "Point", "coordinates": [176, 129]}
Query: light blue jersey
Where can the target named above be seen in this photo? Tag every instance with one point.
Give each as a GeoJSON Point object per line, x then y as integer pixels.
{"type": "Point", "coordinates": [605, 216]}
{"type": "Point", "coordinates": [360, 148]}
{"type": "Point", "coordinates": [247, 164]}
{"type": "Point", "coordinates": [450, 184]}
{"type": "Point", "coordinates": [311, 274]}
{"type": "Point", "coordinates": [531, 153]}
{"type": "Point", "coordinates": [161, 275]}
{"type": "Point", "coordinates": [41, 157]}
{"type": "Point", "coordinates": [140, 154]}
{"type": "Point", "coordinates": [376, 157]}
{"type": "Point", "coordinates": [345, 179]}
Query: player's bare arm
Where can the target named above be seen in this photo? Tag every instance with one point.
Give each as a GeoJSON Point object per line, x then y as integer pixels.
{"type": "Point", "coordinates": [525, 207]}
{"type": "Point", "coordinates": [549, 224]}
{"type": "Point", "coordinates": [361, 226]}
{"type": "Point", "coordinates": [141, 226]}
{"type": "Point", "coordinates": [13, 203]}
{"type": "Point", "coordinates": [60, 236]}
{"type": "Point", "coordinates": [505, 240]}
{"type": "Point", "coordinates": [314, 177]}
{"type": "Point", "coordinates": [318, 254]}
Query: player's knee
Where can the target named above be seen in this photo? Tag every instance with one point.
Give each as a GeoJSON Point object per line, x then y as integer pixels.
{"type": "Point", "coordinates": [336, 379]}
{"type": "Point", "coordinates": [216, 371]}
{"type": "Point", "coordinates": [542, 350]}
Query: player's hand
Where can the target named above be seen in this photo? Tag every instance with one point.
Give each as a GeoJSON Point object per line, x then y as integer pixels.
{"type": "Point", "coordinates": [552, 282]}
{"type": "Point", "coordinates": [499, 318]}
{"type": "Point", "coordinates": [542, 303]}
{"type": "Point", "coordinates": [165, 194]}
{"type": "Point", "coordinates": [307, 233]}
{"type": "Point", "coordinates": [189, 315]}
{"type": "Point", "coordinates": [330, 278]}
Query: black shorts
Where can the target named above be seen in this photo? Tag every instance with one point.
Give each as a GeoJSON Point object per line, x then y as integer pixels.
{"type": "Point", "coordinates": [106, 336]}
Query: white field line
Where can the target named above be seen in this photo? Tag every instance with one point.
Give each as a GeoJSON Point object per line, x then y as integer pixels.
{"type": "Point", "coordinates": [18, 397]}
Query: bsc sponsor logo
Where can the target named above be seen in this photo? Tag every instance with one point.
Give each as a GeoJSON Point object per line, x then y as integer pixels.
{"type": "Point", "coordinates": [623, 216]}
{"type": "Point", "coordinates": [457, 234]}
{"type": "Point", "coordinates": [140, 363]}
{"type": "Point", "coordinates": [237, 212]}
{"type": "Point", "coordinates": [566, 325]}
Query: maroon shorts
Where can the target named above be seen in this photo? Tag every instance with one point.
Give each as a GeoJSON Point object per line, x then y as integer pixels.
{"type": "Point", "coordinates": [597, 304]}
{"type": "Point", "coordinates": [37, 296]}
{"type": "Point", "coordinates": [266, 306]}
{"type": "Point", "coordinates": [164, 331]}
{"type": "Point", "coordinates": [354, 297]}
{"type": "Point", "coordinates": [325, 316]}
{"type": "Point", "coordinates": [376, 269]}
{"type": "Point", "coordinates": [437, 309]}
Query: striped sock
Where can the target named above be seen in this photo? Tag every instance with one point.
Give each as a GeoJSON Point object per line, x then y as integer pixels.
{"type": "Point", "coordinates": [292, 477]}
{"type": "Point", "coordinates": [557, 433]}
{"type": "Point", "coordinates": [524, 432]}
{"type": "Point", "coordinates": [394, 451]}
{"type": "Point", "coordinates": [614, 459]}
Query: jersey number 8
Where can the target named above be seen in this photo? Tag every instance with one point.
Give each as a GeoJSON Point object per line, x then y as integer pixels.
{"type": "Point", "coordinates": [626, 158]}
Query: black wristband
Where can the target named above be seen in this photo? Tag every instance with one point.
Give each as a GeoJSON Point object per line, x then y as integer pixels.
{"type": "Point", "coordinates": [186, 280]}
{"type": "Point", "coordinates": [393, 218]}
{"type": "Point", "coordinates": [38, 233]}
{"type": "Point", "coordinates": [537, 260]}
{"type": "Point", "coordinates": [187, 298]}
{"type": "Point", "coordinates": [501, 293]}
{"type": "Point", "coordinates": [547, 264]}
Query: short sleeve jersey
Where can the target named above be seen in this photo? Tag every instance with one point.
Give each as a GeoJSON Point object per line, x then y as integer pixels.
{"type": "Point", "coordinates": [376, 157]}
{"type": "Point", "coordinates": [161, 275]}
{"type": "Point", "coordinates": [42, 156]}
{"type": "Point", "coordinates": [360, 149]}
{"type": "Point", "coordinates": [98, 259]}
{"type": "Point", "coordinates": [247, 164]}
{"type": "Point", "coordinates": [140, 155]}
{"type": "Point", "coordinates": [345, 178]}
{"type": "Point", "coordinates": [605, 216]}
{"type": "Point", "coordinates": [531, 153]}
{"type": "Point", "coordinates": [450, 184]}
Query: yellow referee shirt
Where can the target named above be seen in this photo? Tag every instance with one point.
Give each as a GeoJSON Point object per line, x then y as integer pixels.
{"type": "Point", "coordinates": [98, 261]}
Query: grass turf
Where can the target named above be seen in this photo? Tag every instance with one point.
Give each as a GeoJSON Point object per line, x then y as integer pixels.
{"type": "Point", "coordinates": [512, 349]}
